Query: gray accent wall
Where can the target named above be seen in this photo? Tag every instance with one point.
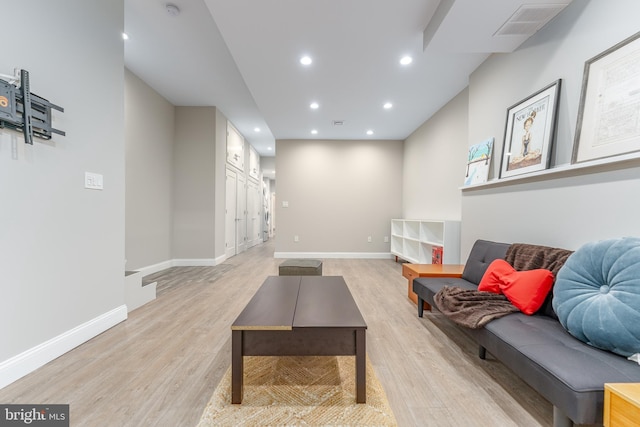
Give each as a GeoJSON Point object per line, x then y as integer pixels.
{"type": "Point", "coordinates": [194, 183]}
{"type": "Point", "coordinates": [339, 193]}
{"type": "Point", "coordinates": [267, 163]}
{"type": "Point", "coordinates": [149, 134]}
{"type": "Point", "coordinates": [220, 185]}
{"type": "Point", "coordinates": [175, 162]}
{"type": "Point", "coordinates": [61, 245]}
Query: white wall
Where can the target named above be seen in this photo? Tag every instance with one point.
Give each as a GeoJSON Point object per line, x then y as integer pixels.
{"type": "Point", "coordinates": [434, 164]}
{"type": "Point", "coordinates": [61, 245]}
{"type": "Point", "coordinates": [149, 134]}
{"type": "Point", "coordinates": [339, 193]}
{"type": "Point", "coordinates": [564, 210]}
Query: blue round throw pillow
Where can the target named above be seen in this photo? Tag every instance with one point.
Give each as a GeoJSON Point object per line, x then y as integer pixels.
{"type": "Point", "coordinates": [597, 295]}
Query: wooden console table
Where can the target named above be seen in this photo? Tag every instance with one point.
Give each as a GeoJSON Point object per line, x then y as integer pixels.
{"type": "Point", "coordinates": [413, 271]}
{"type": "Point", "coordinates": [621, 404]}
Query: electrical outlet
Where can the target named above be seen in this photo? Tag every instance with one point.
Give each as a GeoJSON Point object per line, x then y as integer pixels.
{"type": "Point", "coordinates": [296, 238]}
{"type": "Point", "coordinates": [369, 239]}
{"type": "Point", "coordinates": [386, 239]}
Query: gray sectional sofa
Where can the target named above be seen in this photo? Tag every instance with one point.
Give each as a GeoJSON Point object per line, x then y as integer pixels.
{"type": "Point", "coordinates": [567, 372]}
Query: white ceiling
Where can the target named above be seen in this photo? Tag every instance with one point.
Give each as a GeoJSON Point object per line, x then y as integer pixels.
{"type": "Point", "coordinates": [242, 56]}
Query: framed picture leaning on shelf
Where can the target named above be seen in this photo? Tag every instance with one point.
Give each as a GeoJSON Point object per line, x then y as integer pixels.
{"type": "Point", "coordinates": [530, 132]}
{"type": "Point", "coordinates": [609, 114]}
{"type": "Point", "coordinates": [479, 162]}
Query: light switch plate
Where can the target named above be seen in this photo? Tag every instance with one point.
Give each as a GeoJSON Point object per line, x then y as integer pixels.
{"type": "Point", "coordinates": [93, 181]}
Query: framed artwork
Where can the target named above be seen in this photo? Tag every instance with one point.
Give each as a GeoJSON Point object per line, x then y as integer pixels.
{"type": "Point", "coordinates": [530, 132]}
{"type": "Point", "coordinates": [479, 162]}
{"type": "Point", "coordinates": [609, 114]}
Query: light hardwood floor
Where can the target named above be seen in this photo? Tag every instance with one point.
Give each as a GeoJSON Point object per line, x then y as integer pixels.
{"type": "Point", "coordinates": [160, 367]}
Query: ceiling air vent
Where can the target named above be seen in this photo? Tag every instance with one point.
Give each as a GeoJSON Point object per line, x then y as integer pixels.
{"type": "Point", "coordinates": [528, 19]}
{"type": "Point", "coordinates": [338, 122]}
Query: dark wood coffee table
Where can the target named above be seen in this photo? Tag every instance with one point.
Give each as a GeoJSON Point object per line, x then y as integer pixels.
{"type": "Point", "coordinates": [299, 316]}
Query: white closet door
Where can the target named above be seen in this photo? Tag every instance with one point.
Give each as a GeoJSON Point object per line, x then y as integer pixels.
{"type": "Point", "coordinates": [230, 214]}
{"type": "Point", "coordinates": [241, 214]}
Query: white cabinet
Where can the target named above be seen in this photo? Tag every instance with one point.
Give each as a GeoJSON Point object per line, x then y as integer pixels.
{"type": "Point", "coordinates": [235, 147]}
{"type": "Point", "coordinates": [413, 240]}
{"type": "Point", "coordinates": [254, 163]}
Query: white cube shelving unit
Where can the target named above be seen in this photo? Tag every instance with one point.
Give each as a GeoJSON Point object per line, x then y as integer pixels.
{"type": "Point", "coordinates": [413, 240]}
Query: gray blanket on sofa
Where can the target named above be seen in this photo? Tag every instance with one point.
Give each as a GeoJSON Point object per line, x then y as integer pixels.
{"type": "Point", "coordinates": [470, 308]}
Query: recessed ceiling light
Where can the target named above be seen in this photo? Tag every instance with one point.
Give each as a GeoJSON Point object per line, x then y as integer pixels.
{"type": "Point", "coordinates": [314, 106]}
{"type": "Point", "coordinates": [387, 105]}
{"type": "Point", "coordinates": [125, 36]}
{"type": "Point", "coordinates": [369, 132]}
{"type": "Point", "coordinates": [269, 148]}
{"type": "Point", "coordinates": [256, 129]}
{"type": "Point", "coordinates": [406, 60]}
{"type": "Point", "coordinates": [306, 60]}
{"type": "Point", "coordinates": [314, 132]}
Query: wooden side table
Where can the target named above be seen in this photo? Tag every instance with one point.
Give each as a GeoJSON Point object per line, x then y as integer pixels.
{"type": "Point", "coordinates": [412, 271]}
{"type": "Point", "coordinates": [621, 404]}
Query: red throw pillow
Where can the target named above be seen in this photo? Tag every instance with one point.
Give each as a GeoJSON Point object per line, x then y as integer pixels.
{"type": "Point", "coordinates": [492, 278]}
{"type": "Point", "coordinates": [526, 290]}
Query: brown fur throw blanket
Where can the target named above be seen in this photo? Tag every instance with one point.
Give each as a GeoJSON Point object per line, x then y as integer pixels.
{"type": "Point", "coordinates": [472, 308]}
{"type": "Point", "coordinates": [530, 257]}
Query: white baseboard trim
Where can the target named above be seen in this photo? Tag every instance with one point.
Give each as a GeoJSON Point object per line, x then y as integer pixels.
{"type": "Point", "coordinates": [28, 361]}
{"type": "Point", "coordinates": [351, 255]}
{"type": "Point", "coordinates": [155, 268]}
{"type": "Point", "coordinates": [197, 262]}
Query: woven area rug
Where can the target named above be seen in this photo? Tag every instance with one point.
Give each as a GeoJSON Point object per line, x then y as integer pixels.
{"type": "Point", "coordinates": [298, 391]}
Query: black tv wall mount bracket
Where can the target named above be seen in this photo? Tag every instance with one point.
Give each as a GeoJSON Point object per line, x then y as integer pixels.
{"type": "Point", "coordinates": [25, 111]}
